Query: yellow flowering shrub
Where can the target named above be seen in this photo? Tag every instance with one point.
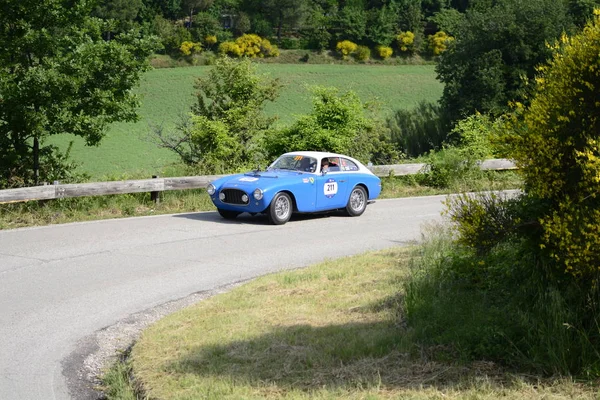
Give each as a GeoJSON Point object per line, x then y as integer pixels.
{"type": "Point", "coordinates": [345, 48]}
{"type": "Point", "coordinates": [249, 44]}
{"type": "Point", "coordinates": [210, 40]}
{"type": "Point", "coordinates": [439, 42]}
{"type": "Point", "coordinates": [406, 41]}
{"type": "Point", "coordinates": [555, 141]}
{"type": "Point", "coordinates": [230, 49]}
{"type": "Point", "coordinates": [384, 52]}
{"type": "Point", "coordinates": [188, 48]}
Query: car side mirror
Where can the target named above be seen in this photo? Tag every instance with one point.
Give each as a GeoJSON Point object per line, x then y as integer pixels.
{"type": "Point", "coordinates": [324, 172]}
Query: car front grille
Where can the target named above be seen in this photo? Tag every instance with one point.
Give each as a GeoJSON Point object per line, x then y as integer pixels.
{"type": "Point", "coordinates": [234, 196]}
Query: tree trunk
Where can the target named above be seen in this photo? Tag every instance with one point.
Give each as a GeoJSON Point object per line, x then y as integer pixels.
{"type": "Point", "coordinates": [36, 160]}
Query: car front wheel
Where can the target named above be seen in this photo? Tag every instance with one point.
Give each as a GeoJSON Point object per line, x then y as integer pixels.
{"type": "Point", "coordinates": [357, 203]}
{"type": "Point", "coordinates": [280, 209]}
{"type": "Point", "coordinates": [227, 214]}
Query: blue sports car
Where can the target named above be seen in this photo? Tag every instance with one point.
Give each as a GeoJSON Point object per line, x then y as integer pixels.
{"type": "Point", "coordinates": [302, 182]}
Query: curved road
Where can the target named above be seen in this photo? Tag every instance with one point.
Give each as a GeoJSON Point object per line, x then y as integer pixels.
{"type": "Point", "coordinates": [60, 284]}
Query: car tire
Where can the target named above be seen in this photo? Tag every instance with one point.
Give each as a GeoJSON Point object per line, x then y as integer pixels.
{"type": "Point", "coordinates": [280, 209]}
{"type": "Point", "coordinates": [357, 202]}
{"type": "Point", "coordinates": [227, 214]}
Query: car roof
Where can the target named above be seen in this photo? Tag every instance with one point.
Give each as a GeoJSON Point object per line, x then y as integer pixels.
{"type": "Point", "coordinates": [317, 154]}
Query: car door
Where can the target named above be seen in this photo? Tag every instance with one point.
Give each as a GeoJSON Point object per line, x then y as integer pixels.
{"type": "Point", "coordinates": [332, 187]}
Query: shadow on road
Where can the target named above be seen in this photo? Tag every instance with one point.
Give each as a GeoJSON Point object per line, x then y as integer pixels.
{"type": "Point", "coordinates": [259, 219]}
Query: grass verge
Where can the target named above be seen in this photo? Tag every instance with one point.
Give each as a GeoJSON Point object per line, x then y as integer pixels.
{"type": "Point", "coordinates": [59, 211]}
{"type": "Point", "coordinates": [331, 331]}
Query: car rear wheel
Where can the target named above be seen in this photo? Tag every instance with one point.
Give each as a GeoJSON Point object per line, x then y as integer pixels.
{"type": "Point", "coordinates": [357, 203]}
{"type": "Point", "coordinates": [280, 209]}
{"type": "Point", "coordinates": [227, 214]}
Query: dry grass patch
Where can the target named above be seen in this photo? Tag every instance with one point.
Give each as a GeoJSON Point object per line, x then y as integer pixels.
{"type": "Point", "coordinates": [331, 331]}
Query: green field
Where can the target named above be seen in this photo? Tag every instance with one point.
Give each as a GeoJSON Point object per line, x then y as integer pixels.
{"type": "Point", "coordinates": [168, 93]}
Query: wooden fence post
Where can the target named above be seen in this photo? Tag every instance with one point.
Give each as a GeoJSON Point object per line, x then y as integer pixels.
{"type": "Point", "coordinates": [155, 196]}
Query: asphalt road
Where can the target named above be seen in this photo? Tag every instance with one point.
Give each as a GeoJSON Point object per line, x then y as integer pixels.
{"type": "Point", "coordinates": [60, 284]}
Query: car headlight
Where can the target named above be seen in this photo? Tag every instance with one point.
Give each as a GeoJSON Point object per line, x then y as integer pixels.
{"type": "Point", "coordinates": [258, 194]}
{"type": "Point", "coordinates": [244, 198]}
{"type": "Point", "coordinates": [211, 189]}
{"type": "Point", "coordinates": [222, 196]}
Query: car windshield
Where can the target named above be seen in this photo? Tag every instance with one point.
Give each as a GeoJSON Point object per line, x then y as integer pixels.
{"type": "Point", "coordinates": [295, 163]}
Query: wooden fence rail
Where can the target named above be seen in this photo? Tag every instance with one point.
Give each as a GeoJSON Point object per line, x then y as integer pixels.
{"type": "Point", "coordinates": [61, 191]}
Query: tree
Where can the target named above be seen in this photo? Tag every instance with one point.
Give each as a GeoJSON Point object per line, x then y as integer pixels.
{"type": "Point", "coordinates": [227, 122]}
{"type": "Point", "coordinates": [57, 75]}
{"type": "Point", "coordinates": [122, 13]}
{"type": "Point", "coordinates": [338, 123]}
{"type": "Point", "coordinates": [495, 53]}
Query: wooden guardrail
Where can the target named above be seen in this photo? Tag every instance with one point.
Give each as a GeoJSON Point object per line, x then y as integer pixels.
{"type": "Point", "coordinates": [156, 185]}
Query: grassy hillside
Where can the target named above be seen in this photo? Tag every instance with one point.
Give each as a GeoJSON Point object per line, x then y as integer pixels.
{"type": "Point", "coordinates": [168, 93]}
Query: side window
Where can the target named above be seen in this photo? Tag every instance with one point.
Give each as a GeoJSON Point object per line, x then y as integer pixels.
{"type": "Point", "coordinates": [334, 164]}
{"type": "Point", "coordinates": [348, 165]}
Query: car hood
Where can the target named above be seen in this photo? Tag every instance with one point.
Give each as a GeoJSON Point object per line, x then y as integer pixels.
{"type": "Point", "coordinates": [265, 178]}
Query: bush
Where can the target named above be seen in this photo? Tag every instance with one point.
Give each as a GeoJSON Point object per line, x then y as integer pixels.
{"type": "Point", "coordinates": [384, 52]}
{"type": "Point", "coordinates": [346, 48]}
{"type": "Point", "coordinates": [249, 45]}
{"type": "Point", "coordinates": [439, 42]}
{"type": "Point", "coordinates": [230, 49]}
{"type": "Point", "coordinates": [406, 42]}
{"type": "Point", "coordinates": [189, 48]}
{"type": "Point", "coordinates": [474, 136]}
{"type": "Point", "coordinates": [447, 168]}
{"type": "Point", "coordinates": [362, 53]}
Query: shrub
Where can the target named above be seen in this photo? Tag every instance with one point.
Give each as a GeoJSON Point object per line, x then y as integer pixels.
{"type": "Point", "coordinates": [439, 42]}
{"type": "Point", "coordinates": [446, 168]}
{"type": "Point", "coordinates": [406, 42]}
{"type": "Point", "coordinates": [384, 52]}
{"type": "Point", "coordinates": [249, 45]}
{"type": "Point", "coordinates": [346, 48]}
{"type": "Point", "coordinates": [189, 48]}
{"type": "Point", "coordinates": [474, 136]}
{"type": "Point", "coordinates": [210, 40]}
{"type": "Point", "coordinates": [230, 49]}
{"type": "Point", "coordinates": [555, 141]}
{"type": "Point", "coordinates": [362, 53]}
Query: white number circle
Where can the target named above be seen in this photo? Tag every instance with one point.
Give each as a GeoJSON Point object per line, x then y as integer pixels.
{"type": "Point", "coordinates": [330, 188]}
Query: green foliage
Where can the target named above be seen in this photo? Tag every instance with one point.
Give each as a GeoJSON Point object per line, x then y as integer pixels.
{"type": "Point", "coordinates": [58, 75]}
{"type": "Point", "coordinates": [171, 35]}
{"type": "Point", "coordinates": [448, 20]}
{"type": "Point", "coordinates": [337, 123]}
{"type": "Point", "coordinates": [495, 53]}
{"type": "Point", "coordinates": [448, 168]}
{"type": "Point", "coordinates": [362, 53]}
{"type": "Point", "coordinates": [555, 141]}
{"type": "Point", "coordinates": [228, 122]}
{"type": "Point", "coordinates": [500, 307]}
{"type": "Point", "coordinates": [350, 23]}
{"type": "Point", "coordinates": [417, 131]}
{"type": "Point", "coordinates": [474, 136]}
{"type": "Point", "coordinates": [529, 264]}
{"type": "Point", "coordinates": [381, 25]}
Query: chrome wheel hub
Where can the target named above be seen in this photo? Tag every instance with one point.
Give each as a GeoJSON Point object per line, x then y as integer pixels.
{"type": "Point", "coordinates": [357, 200]}
{"type": "Point", "coordinates": [282, 207]}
